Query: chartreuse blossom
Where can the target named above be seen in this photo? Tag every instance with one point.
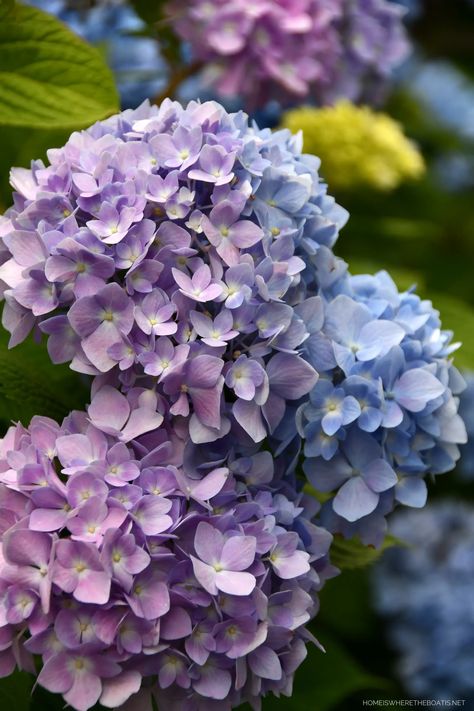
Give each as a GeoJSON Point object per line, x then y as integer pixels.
{"type": "Point", "coordinates": [357, 146]}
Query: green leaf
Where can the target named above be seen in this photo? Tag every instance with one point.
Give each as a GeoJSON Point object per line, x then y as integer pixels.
{"type": "Point", "coordinates": [49, 77]}
{"type": "Point", "coordinates": [15, 691]}
{"type": "Point", "coordinates": [351, 554]}
{"type": "Point", "coordinates": [31, 385]}
{"type": "Point", "coordinates": [325, 680]}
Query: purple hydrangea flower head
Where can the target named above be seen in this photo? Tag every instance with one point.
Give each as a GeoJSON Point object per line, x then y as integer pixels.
{"type": "Point", "coordinates": [130, 570]}
{"type": "Point", "coordinates": [170, 256]}
{"type": "Point", "coordinates": [331, 48]}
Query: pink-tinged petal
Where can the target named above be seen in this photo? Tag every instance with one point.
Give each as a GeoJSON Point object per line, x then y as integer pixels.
{"type": "Point", "coordinates": [245, 234]}
{"type": "Point", "coordinates": [176, 624]}
{"type": "Point", "coordinates": [249, 417]}
{"type": "Point", "coordinates": [182, 280]}
{"type": "Point", "coordinates": [229, 252]}
{"type": "Point", "coordinates": [149, 600]}
{"type": "Point", "coordinates": [235, 583]}
{"type": "Point", "coordinates": [117, 691]}
{"type": "Point", "coordinates": [355, 500]}
{"type": "Point", "coordinates": [204, 371]}
{"type": "Point", "coordinates": [109, 410]}
{"type": "Point", "coordinates": [214, 683]}
{"type": "Point", "coordinates": [26, 247]}
{"type": "Point", "coordinates": [85, 691]}
{"type": "Point", "coordinates": [47, 519]}
{"type": "Point", "coordinates": [7, 663]}
{"type": "Point", "coordinates": [141, 420]}
{"type": "Point", "coordinates": [205, 575]}
{"type": "Point", "coordinates": [65, 578]}
{"type": "Point", "coordinates": [149, 515]}
{"type": "Point", "coordinates": [56, 675]}
{"type": "Point", "coordinates": [292, 566]}
{"type": "Point", "coordinates": [210, 293]}
{"type": "Point", "coordinates": [201, 434]}
{"type": "Point", "coordinates": [206, 403]}
{"type": "Point", "coordinates": [208, 486]}
{"type": "Point", "coordinates": [265, 663]}
{"type": "Point", "coordinates": [96, 346]}
{"type": "Point", "coordinates": [106, 623]}
{"type": "Point", "coordinates": [93, 586]}
{"type": "Point", "coordinates": [208, 543]}
{"type": "Point", "coordinates": [238, 552]}
{"type": "Point", "coordinates": [138, 561]}
{"type": "Point", "coordinates": [74, 448]}
{"type": "Point", "coordinates": [290, 376]}
{"type": "Point", "coordinates": [24, 547]}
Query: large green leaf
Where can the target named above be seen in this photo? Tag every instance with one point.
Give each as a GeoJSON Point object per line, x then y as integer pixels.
{"type": "Point", "coordinates": [352, 554]}
{"type": "Point", "coordinates": [31, 385]}
{"type": "Point", "coordinates": [49, 77]}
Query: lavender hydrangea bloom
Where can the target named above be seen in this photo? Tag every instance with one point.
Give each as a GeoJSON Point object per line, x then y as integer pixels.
{"type": "Point", "coordinates": [332, 48]}
{"type": "Point", "coordinates": [384, 412]}
{"type": "Point", "coordinates": [130, 562]}
{"type": "Point", "coordinates": [172, 241]}
{"type": "Point", "coordinates": [424, 592]}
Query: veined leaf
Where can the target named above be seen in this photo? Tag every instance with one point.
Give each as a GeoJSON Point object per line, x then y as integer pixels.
{"type": "Point", "coordinates": [49, 77]}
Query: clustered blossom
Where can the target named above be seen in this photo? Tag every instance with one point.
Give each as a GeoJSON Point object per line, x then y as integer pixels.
{"type": "Point", "coordinates": [330, 48]}
{"type": "Point", "coordinates": [424, 591]}
{"type": "Point", "coordinates": [183, 259]}
{"type": "Point", "coordinates": [164, 247]}
{"type": "Point", "coordinates": [383, 413]}
{"type": "Point", "coordinates": [123, 571]}
{"type": "Point", "coordinates": [186, 253]}
{"type": "Point", "coordinates": [358, 147]}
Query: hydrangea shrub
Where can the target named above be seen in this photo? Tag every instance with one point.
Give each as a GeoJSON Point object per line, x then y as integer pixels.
{"type": "Point", "coordinates": [182, 258]}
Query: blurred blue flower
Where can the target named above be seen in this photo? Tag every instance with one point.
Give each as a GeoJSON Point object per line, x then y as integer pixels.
{"type": "Point", "coordinates": [114, 26]}
{"type": "Point", "coordinates": [446, 93]}
{"type": "Point", "coordinates": [425, 591]}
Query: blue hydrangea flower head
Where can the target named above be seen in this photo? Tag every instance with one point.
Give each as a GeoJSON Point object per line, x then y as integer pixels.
{"type": "Point", "coordinates": [424, 590]}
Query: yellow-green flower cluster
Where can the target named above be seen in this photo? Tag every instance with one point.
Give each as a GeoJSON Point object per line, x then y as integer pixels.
{"type": "Point", "coordinates": [357, 146]}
